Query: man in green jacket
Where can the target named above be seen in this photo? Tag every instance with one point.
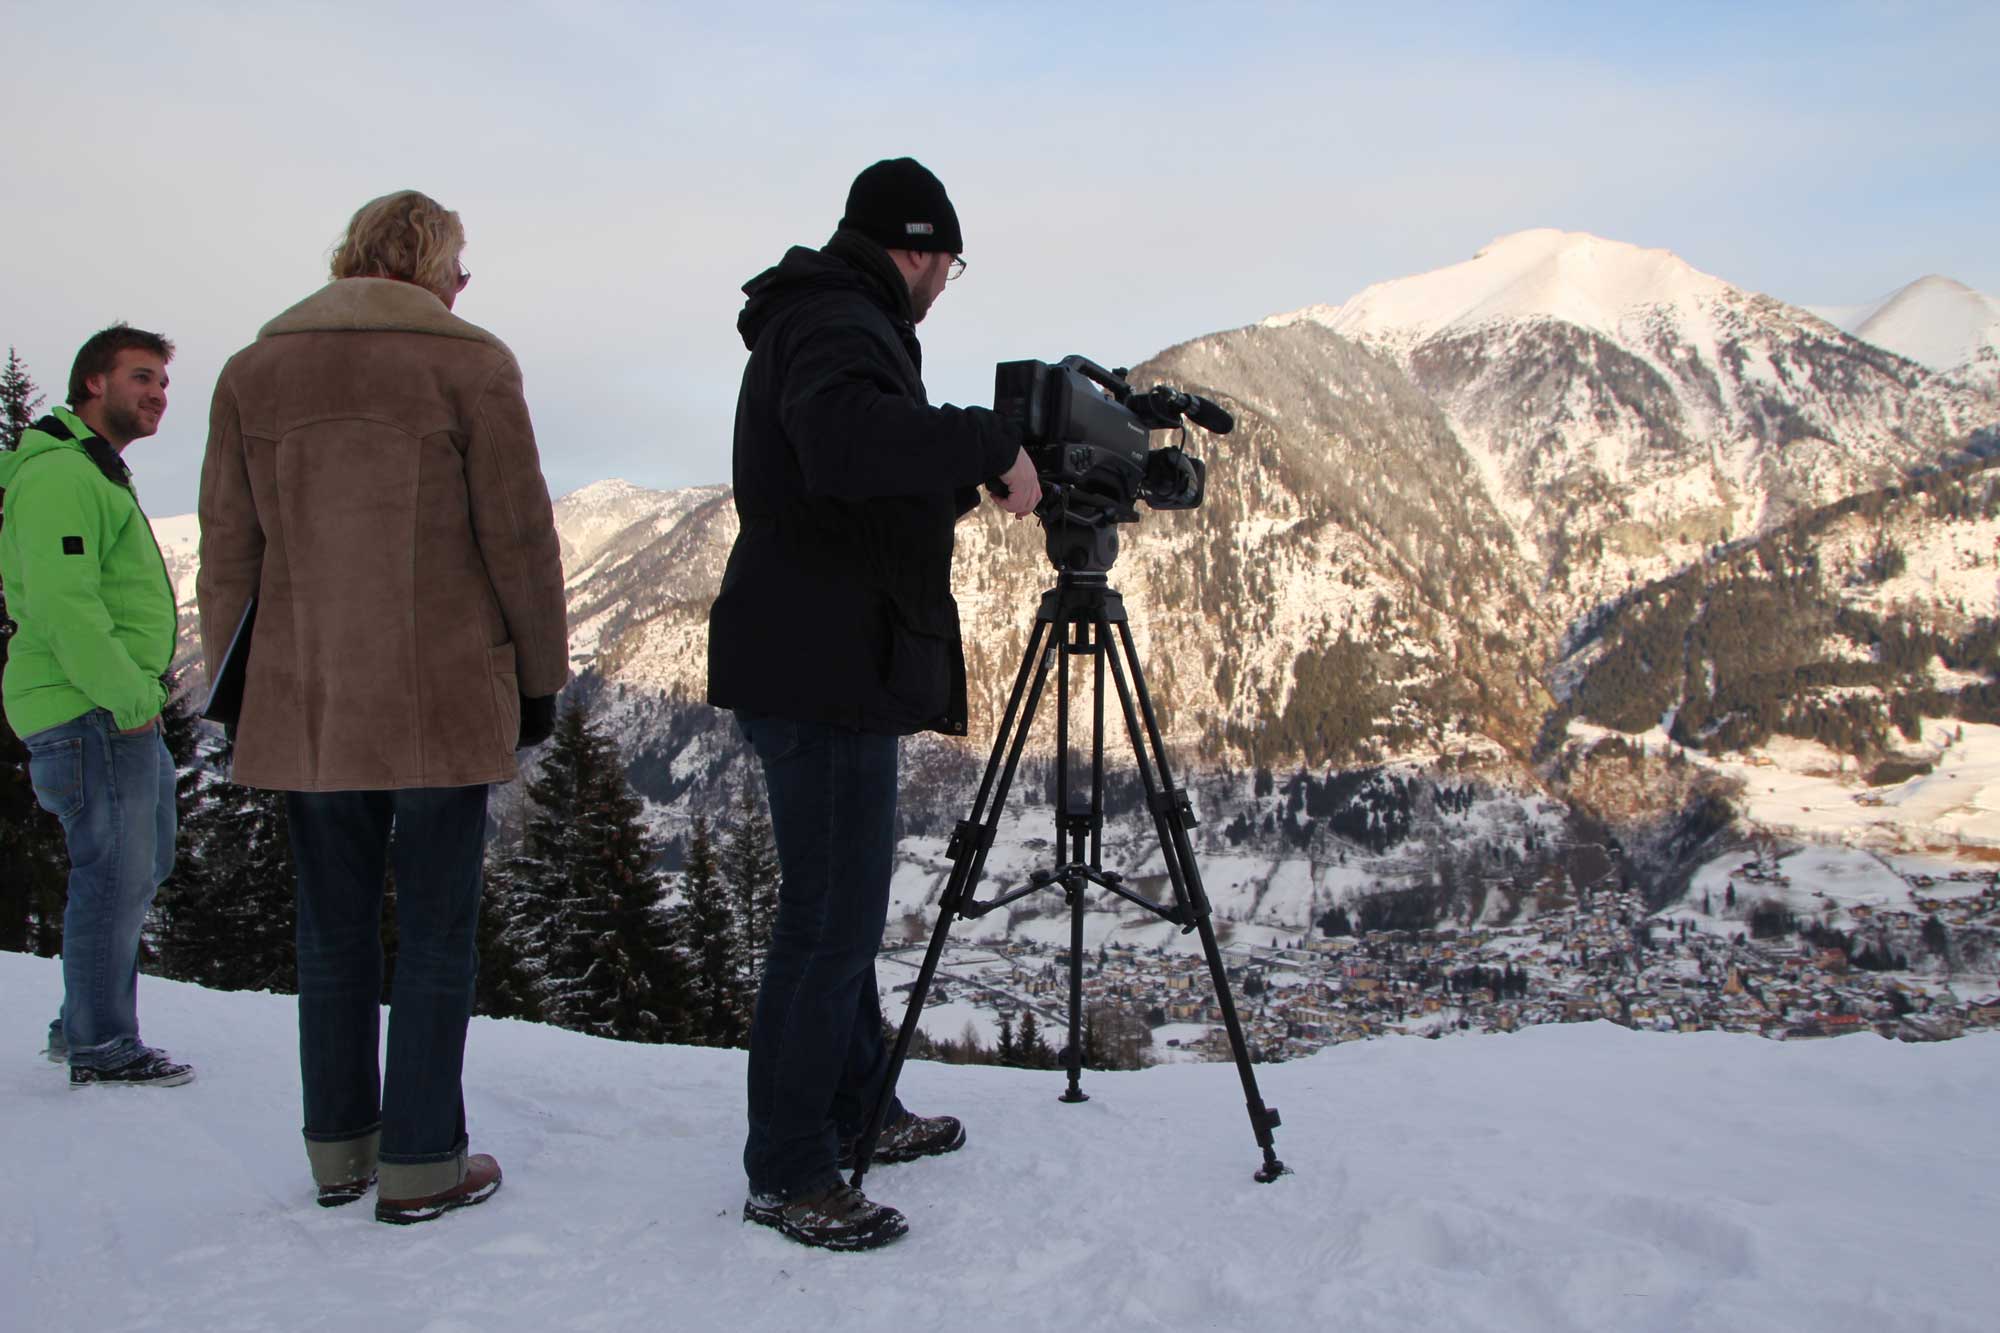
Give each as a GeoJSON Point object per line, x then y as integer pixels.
{"type": "Point", "coordinates": [93, 610]}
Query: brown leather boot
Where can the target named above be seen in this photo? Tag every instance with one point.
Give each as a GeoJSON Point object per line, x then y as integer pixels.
{"type": "Point", "coordinates": [481, 1179]}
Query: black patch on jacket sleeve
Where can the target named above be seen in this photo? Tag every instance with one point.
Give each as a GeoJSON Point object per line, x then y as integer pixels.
{"type": "Point", "coordinates": [72, 546]}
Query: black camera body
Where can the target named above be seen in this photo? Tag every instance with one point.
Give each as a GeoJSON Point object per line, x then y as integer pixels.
{"type": "Point", "coordinates": [1089, 434]}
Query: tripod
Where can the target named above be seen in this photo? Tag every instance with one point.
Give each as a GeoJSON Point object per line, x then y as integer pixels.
{"type": "Point", "coordinates": [1082, 616]}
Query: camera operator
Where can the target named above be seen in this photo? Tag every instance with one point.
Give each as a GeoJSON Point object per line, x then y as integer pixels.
{"type": "Point", "coordinates": [835, 634]}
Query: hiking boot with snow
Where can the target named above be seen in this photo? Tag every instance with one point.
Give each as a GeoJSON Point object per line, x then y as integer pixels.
{"type": "Point", "coordinates": [480, 1179]}
{"type": "Point", "coordinates": [907, 1138]}
{"type": "Point", "coordinates": [838, 1217]}
{"type": "Point", "coordinates": [346, 1191]}
{"type": "Point", "coordinates": [151, 1069]}
{"type": "Point", "coordinates": [57, 1050]}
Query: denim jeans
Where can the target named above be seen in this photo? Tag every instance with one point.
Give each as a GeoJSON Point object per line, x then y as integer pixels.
{"type": "Point", "coordinates": [816, 1051]}
{"type": "Point", "coordinates": [114, 794]}
{"type": "Point", "coordinates": [342, 846]}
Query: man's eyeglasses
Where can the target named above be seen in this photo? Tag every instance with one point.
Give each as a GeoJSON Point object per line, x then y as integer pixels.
{"type": "Point", "coordinates": [464, 276]}
{"type": "Point", "coordinates": [957, 269]}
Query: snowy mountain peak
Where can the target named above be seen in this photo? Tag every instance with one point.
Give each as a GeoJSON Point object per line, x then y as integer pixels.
{"type": "Point", "coordinates": [610, 491]}
{"type": "Point", "coordinates": [1935, 321]}
{"type": "Point", "coordinates": [1543, 273]}
{"type": "Point", "coordinates": [592, 516]}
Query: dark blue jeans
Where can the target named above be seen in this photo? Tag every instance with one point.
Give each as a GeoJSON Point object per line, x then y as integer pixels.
{"type": "Point", "coordinates": [816, 1051]}
{"type": "Point", "coordinates": [114, 794]}
{"type": "Point", "coordinates": [342, 845]}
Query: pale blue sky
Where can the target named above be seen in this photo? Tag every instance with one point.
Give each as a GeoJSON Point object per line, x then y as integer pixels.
{"type": "Point", "coordinates": [1127, 177]}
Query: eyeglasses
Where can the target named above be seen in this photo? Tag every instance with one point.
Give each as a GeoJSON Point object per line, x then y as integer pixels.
{"type": "Point", "coordinates": [957, 269]}
{"type": "Point", "coordinates": [464, 276]}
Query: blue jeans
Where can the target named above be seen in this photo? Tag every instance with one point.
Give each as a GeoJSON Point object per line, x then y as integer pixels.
{"type": "Point", "coordinates": [342, 846]}
{"type": "Point", "coordinates": [816, 1051]}
{"type": "Point", "coordinates": [114, 794]}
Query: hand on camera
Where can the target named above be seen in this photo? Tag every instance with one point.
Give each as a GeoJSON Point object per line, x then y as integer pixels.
{"type": "Point", "coordinates": [1017, 490]}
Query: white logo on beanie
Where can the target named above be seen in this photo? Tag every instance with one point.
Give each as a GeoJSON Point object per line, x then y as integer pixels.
{"type": "Point", "coordinates": [919, 229]}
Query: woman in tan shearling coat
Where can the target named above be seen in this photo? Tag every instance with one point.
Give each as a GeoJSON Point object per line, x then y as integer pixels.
{"type": "Point", "coordinates": [372, 481]}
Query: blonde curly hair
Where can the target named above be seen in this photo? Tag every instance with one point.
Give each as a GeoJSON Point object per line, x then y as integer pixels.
{"type": "Point", "coordinates": [406, 235]}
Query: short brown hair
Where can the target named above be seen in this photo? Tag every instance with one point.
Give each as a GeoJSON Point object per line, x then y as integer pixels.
{"type": "Point", "coordinates": [406, 235]}
{"type": "Point", "coordinates": [99, 356]}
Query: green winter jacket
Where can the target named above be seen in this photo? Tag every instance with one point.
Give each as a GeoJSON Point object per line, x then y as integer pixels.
{"type": "Point", "coordinates": [85, 583]}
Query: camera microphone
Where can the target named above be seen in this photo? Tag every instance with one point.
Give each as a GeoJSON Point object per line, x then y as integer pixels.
{"type": "Point", "coordinates": [1210, 416]}
{"type": "Point", "coordinates": [1162, 407]}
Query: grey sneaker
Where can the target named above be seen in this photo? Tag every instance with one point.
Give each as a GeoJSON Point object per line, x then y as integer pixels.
{"type": "Point", "coordinates": [838, 1217]}
{"type": "Point", "coordinates": [57, 1050]}
{"type": "Point", "coordinates": [152, 1069]}
{"type": "Point", "coordinates": [907, 1138]}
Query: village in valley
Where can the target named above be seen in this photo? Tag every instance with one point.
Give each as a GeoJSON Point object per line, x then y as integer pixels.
{"type": "Point", "coordinates": [1732, 956]}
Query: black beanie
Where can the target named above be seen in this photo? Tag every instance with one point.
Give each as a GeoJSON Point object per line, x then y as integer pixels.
{"type": "Point", "coordinates": [900, 206]}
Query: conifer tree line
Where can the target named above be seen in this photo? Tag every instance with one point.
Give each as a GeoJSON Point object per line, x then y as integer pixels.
{"type": "Point", "coordinates": [1113, 1037]}
{"type": "Point", "coordinates": [575, 924]}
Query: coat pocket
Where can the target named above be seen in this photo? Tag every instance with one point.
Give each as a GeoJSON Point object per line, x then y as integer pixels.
{"type": "Point", "coordinates": [923, 661]}
{"type": "Point", "coordinates": [506, 694]}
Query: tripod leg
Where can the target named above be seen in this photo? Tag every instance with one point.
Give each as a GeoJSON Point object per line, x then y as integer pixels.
{"type": "Point", "coordinates": [1092, 828]}
{"type": "Point", "coordinates": [1172, 818]}
{"type": "Point", "coordinates": [1074, 1061]}
{"type": "Point", "coordinates": [969, 845]}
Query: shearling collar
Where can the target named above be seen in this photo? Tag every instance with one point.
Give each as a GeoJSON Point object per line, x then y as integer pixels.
{"type": "Point", "coordinates": [375, 304]}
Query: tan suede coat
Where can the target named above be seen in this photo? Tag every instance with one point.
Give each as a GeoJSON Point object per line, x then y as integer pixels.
{"type": "Point", "coordinates": [371, 475]}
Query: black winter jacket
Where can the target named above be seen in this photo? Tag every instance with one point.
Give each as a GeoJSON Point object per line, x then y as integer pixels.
{"type": "Point", "coordinates": [836, 604]}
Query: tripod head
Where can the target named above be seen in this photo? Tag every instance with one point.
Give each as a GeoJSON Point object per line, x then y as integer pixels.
{"type": "Point", "coordinates": [1080, 529]}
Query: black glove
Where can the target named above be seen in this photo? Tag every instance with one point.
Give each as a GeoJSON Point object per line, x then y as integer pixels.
{"type": "Point", "coordinates": [538, 720]}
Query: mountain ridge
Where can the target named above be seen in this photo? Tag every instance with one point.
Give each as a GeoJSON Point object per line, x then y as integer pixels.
{"type": "Point", "coordinates": [1410, 550]}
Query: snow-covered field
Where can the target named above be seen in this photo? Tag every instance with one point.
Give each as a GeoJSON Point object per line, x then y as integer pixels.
{"type": "Point", "coordinates": [1797, 789]}
{"type": "Point", "coordinates": [1566, 1178]}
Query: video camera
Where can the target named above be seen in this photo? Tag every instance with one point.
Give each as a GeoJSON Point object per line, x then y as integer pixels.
{"type": "Point", "coordinates": [1088, 432]}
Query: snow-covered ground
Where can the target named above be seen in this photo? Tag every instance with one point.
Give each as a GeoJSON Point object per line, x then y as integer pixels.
{"type": "Point", "coordinates": [1799, 789]}
{"type": "Point", "coordinates": [1565, 1178]}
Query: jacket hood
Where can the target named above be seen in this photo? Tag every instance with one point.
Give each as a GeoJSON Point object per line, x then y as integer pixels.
{"type": "Point", "coordinates": [849, 262]}
{"type": "Point", "coordinates": [37, 442]}
{"type": "Point", "coordinates": [351, 305]}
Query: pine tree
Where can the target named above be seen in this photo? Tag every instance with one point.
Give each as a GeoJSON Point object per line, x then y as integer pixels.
{"type": "Point", "coordinates": [1006, 1053]}
{"type": "Point", "coordinates": [524, 886]}
{"type": "Point", "coordinates": [649, 999]}
{"type": "Point", "coordinates": [559, 909]}
{"type": "Point", "coordinates": [750, 868]}
{"type": "Point", "coordinates": [579, 901]}
{"type": "Point", "coordinates": [1030, 1050]}
{"type": "Point", "coordinates": [506, 987]}
{"type": "Point", "coordinates": [19, 401]}
{"type": "Point", "coordinates": [227, 917]}
{"type": "Point", "coordinates": [704, 922]}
